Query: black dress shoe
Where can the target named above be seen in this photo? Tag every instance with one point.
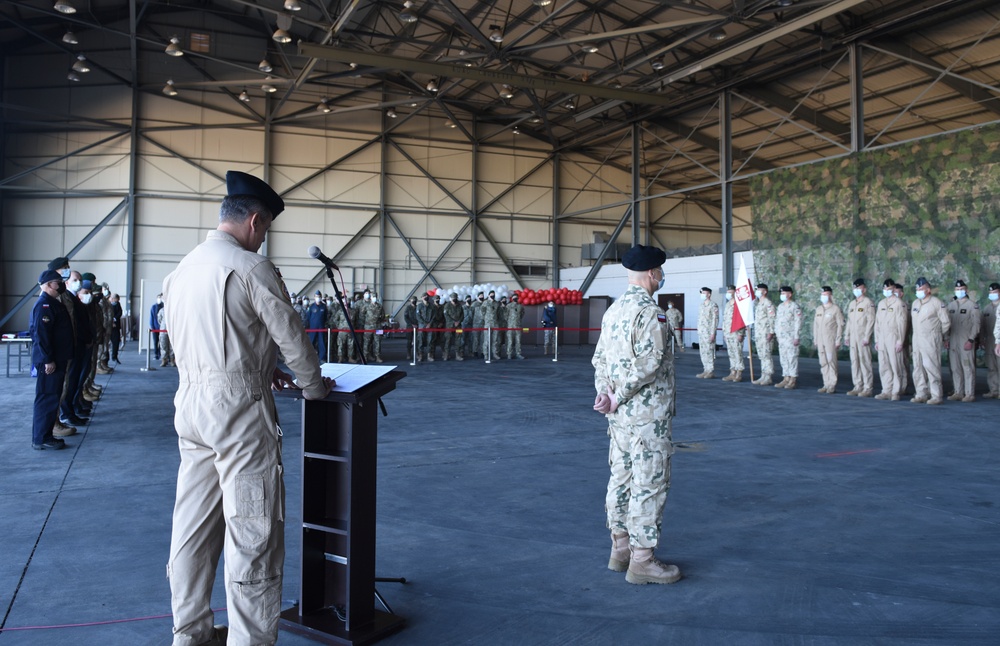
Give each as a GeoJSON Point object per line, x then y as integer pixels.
{"type": "Point", "coordinates": [54, 444]}
{"type": "Point", "coordinates": [73, 420]}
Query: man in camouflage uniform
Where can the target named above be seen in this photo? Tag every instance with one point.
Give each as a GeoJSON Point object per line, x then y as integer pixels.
{"type": "Point", "coordinates": [675, 319]}
{"type": "Point", "coordinates": [437, 322]}
{"type": "Point", "coordinates": [108, 316]}
{"type": "Point", "coordinates": [478, 322]}
{"type": "Point", "coordinates": [828, 328]}
{"type": "Point", "coordinates": [337, 320]}
{"type": "Point", "coordinates": [452, 321]}
{"type": "Point", "coordinates": [373, 322]}
{"type": "Point", "coordinates": [515, 314]}
{"type": "Point", "coordinates": [634, 378]}
{"type": "Point", "coordinates": [424, 316]}
{"type": "Point", "coordinates": [961, 344]}
{"type": "Point", "coordinates": [410, 323]}
{"type": "Point", "coordinates": [891, 320]}
{"type": "Point", "coordinates": [468, 337]}
{"type": "Point", "coordinates": [929, 317]}
{"type": "Point", "coordinates": [708, 321]}
{"type": "Point", "coordinates": [763, 334]}
{"type": "Point", "coordinates": [734, 340]}
{"type": "Point", "coordinates": [166, 350]}
{"type": "Point", "coordinates": [489, 309]}
{"type": "Point", "coordinates": [988, 344]}
{"type": "Point", "coordinates": [788, 327]}
{"type": "Point", "coordinates": [857, 337]}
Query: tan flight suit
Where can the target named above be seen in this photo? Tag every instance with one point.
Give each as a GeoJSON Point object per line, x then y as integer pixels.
{"type": "Point", "coordinates": [228, 314]}
{"type": "Point", "coordinates": [828, 328]}
{"type": "Point", "coordinates": [965, 322]}
{"type": "Point", "coordinates": [734, 340]}
{"type": "Point", "coordinates": [708, 322]}
{"type": "Point", "coordinates": [858, 337]}
{"type": "Point", "coordinates": [930, 327]}
{"type": "Point", "coordinates": [988, 344]}
{"type": "Point", "coordinates": [891, 319]}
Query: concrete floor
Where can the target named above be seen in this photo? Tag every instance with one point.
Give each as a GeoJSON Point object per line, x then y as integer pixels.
{"type": "Point", "coordinates": [796, 518]}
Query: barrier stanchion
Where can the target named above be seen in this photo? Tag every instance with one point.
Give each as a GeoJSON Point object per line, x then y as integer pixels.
{"type": "Point", "coordinates": [328, 332]}
{"type": "Point", "coordinates": [149, 344]}
{"type": "Point", "coordinates": [413, 352]}
{"type": "Point", "coordinates": [555, 351]}
{"type": "Point", "coordinates": [489, 344]}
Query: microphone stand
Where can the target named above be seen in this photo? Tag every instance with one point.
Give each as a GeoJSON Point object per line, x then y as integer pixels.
{"type": "Point", "coordinates": [350, 326]}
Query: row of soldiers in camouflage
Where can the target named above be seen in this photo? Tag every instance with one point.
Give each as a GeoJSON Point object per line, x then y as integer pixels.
{"type": "Point", "coordinates": [325, 313]}
{"type": "Point", "coordinates": [485, 312]}
{"type": "Point", "coordinates": [926, 327]}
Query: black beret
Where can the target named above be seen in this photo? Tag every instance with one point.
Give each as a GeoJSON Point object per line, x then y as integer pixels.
{"type": "Point", "coordinates": [827, 288]}
{"type": "Point", "coordinates": [860, 282]}
{"type": "Point", "coordinates": [641, 258]}
{"type": "Point", "coordinates": [59, 263]}
{"type": "Point", "coordinates": [922, 281]}
{"type": "Point", "coordinates": [48, 276]}
{"type": "Point", "coordinates": [898, 286]}
{"type": "Point", "coordinates": [238, 183]}
{"type": "Point", "coordinates": [889, 282]}
{"type": "Point", "coordinates": [994, 286]}
{"type": "Point", "coordinates": [960, 283]}
{"type": "Point", "coordinates": [787, 288]}
{"type": "Point", "coordinates": [732, 287]}
{"type": "Point", "coordinates": [706, 289]}
{"type": "Point", "coordinates": [761, 286]}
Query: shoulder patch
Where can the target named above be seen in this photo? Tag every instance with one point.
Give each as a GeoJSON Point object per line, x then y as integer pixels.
{"type": "Point", "coordinates": [662, 318]}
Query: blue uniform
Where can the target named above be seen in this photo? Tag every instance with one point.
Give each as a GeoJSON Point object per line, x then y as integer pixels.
{"type": "Point", "coordinates": [316, 320]}
{"type": "Point", "coordinates": [51, 342]}
{"type": "Point", "coordinates": [154, 324]}
{"type": "Point", "coordinates": [81, 354]}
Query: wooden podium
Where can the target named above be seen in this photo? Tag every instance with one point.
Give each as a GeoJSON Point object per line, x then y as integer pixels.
{"type": "Point", "coordinates": [339, 451]}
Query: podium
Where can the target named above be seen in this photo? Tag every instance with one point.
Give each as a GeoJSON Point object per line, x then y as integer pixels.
{"type": "Point", "coordinates": [339, 465]}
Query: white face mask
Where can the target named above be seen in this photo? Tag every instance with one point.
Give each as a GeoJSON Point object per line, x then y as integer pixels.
{"type": "Point", "coordinates": [857, 293]}
{"type": "Point", "coordinates": [659, 285]}
{"type": "Point", "coordinates": [670, 306]}
{"type": "Point", "coordinates": [824, 299]}
{"type": "Point", "coordinates": [921, 294]}
{"type": "Point", "coordinates": [756, 293]}
{"type": "Point", "coordinates": [704, 296]}
{"type": "Point", "coordinates": [159, 301]}
{"type": "Point", "coordinates": [368, 296]}
{"type": "Point", "coordinates": [959, 293]}
{"type": "Point", "coordinates": [552, 304]}
{"type": "Point", "coordinates": [994, 297]}
{"type": "Point", "coordinates": [106, 293]}
{"type": "Point", "coordinates": [86, 298]}
{"type": "Point", "coordinates": [784, 297]}
{"type": "Point", "coordinates": [729, 296]}
{"type": "Point", "coordinates": [887, 293]}
{"type": "Point", "coordinates": [74, 286]}
{"type": "Point", "coordinates": [318, 300]}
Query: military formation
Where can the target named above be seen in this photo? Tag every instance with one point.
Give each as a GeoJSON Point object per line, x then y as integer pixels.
{"type": "Point", "coordinates": [367, 317]}
{"type": "Point", "coordinates": [907, 338]}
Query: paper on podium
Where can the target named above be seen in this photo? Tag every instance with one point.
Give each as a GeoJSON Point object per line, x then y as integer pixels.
{"type": "Point", "coordinates": [351, 377]}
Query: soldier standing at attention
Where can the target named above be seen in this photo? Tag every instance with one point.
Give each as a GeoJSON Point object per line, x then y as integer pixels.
{"type": "Point", "coordinates": [708, 321]}
{"type": "Point", "coordinates": [675, 319]}
{"type": "Point", "coordinates": [634, 378]}
{"type": "Point", "coordinates": [961, 343]}
{"type": "Point", "coordinates": [734, 340]}
{"type": "Point", "coordinates": [51, 351]}
{"type": "Point", "coordinates": [228, 315]}
{"type": "Point", "coordinates": [988, 344]}
{"type": "Point", "coordinates": [489, 310]}
{"type": "Point", "coordinates": [828, 328]}
{"type": "Point", "coordinates": [373, 321]}
{"type": "Point", "coordinates": [468, 340]}
{"type": "Point", "coordinates": [452, 321]}
{"type": "Point", "coordinates": [410, 323]}
{"type": "Point", "coordinates": [930, 327]}
{"type": "Point", "coordinates": [857, 337]}
{"type": "Point", "coordinates": [789, 328]}
{"type": "Point", "coordinates": [424, 315]}
{"type": "Point", "coordinates": [477, 322]}
{"type": "Point", "coordinates": [900, 293]}
{"type": "Point", "coordinates": [891, 319]}
{"type": "Point", "coordinates": [338, 321]}
{"type": "Point", "coordinates": [763, 334]}
{"type": "Point", "coordinates": [437, 322]}
{"type": "Point", "coordinates": [515, 314]}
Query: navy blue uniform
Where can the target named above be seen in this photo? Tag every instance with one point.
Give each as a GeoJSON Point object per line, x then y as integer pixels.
{"type": "Point", "coordinates": [154, 324]}
{"type": "Point", "coordinates": [71, 403]}
{"type": "Point", "coordinates": [51, 342]}
{"type": "Point", "coordinates": [315, 320]}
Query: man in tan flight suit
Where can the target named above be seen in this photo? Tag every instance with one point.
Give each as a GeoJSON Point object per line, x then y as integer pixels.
{"type": "Point", "coordinates": [891, 319]}
{"type": "Point", "coordinates": [228, 313]}
{"type": "Point", "coordinates": [858, 337]}
{"type": "Point", "coordinates": [988, 343]}
{"type": "Point", "coordinates": [828, 328]}
{"type": "Point", "coordinates": [961, 343]}
{"type": "Point", "coordinates": [929, 317]}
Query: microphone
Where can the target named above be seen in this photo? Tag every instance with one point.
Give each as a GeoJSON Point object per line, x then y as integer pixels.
{"type": "Point", "coordinates": [314, 252]}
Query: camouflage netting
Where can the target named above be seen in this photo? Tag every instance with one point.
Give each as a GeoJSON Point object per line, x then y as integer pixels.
{"type": "Point", "coordinates": [929, 208]}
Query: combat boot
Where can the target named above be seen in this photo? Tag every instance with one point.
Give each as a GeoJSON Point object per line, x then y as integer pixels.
{"type": "Point", "coordinates": [990, 395]}
{"type": "Point", "coordinates": [791, 383]}
{"type": "Point", "coordinates": [62, 430]}
{"type": "Point", "coordinates": [219, 636]}
{"type": "Point", "coordinates": [738, 375]}
{"type": "Point", "coordinates": [709, 375]}
{"type": "Point", "coordinates": [865, 393]}
{"type": "Point", "coordinates": [934, 402]}
{"type": "Point", "coordinates": [88, 396]}
{"type": "Point", "coordinates": [729, 377]}
{"type": "Point", "coordinates": [700, 375]}
{"type": "Point", "coordinates": [969, 398]}
{"type": "Point", "coordinates": [919, 399]}
{"type": "Point", "coordinates": [103, 365]}
{"type": "Point", "coordinates": [620, 553]}
{"type": "Point", "coordinates": [644, 568]}
{"type": "Point", "coordinates": [882, 396]}
{"type": "Point", "coordinates": [852, 392]}
{"type": "Point", "coordinates": [163, 362]}
{"type": "Point", "coordinates": [956, 397]}
{"type": "Point", "coordinates": [765, 380]}
{"type": "Point", "coordinates": [781, 384]}
{"type": "Point", "coordinates": [430, 357]}
{"type": "Point", "coordinates": [459, 357]}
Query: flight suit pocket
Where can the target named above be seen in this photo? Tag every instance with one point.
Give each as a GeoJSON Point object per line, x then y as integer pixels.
{"type": "Point", "coordinates": [252, 524]}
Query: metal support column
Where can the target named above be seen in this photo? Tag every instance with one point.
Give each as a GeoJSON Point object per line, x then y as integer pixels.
{"type": "Point", "coordinates": [636, 183]}
{"type": "Point", "coordinates": [726, 177]}
{"type": "Point", "coordinates": [857, 99]}
{"type": "Point", "coordinates": [133, 163]}
{"type": "Point", "coordinates": [268, 122]}
{"type": "Point", "coordinates": [474, 202]}
{"type": "Point", "coordinates": [383, 152]}
{"type": "Point", "coordinates": [555, 219]}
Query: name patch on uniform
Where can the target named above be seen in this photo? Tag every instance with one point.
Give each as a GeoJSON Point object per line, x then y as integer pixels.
{"type": "Point", "coordinates": [662, 318]}
{"type": "Point", "coordinates": [961, 311]}
{"type": "Point", "coordinates": [861, 309]}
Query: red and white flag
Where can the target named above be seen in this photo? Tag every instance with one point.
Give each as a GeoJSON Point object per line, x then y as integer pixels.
{"type": "Point", "coordinates": [743, 312]}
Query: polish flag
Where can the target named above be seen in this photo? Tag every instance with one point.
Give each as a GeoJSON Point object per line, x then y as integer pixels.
{"type": "Point", "coordinates": [743, 312]}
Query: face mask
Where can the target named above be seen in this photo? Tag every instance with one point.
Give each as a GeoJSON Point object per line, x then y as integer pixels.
{"type": "Point", "coordinates": [318, 300]}
{"type": "Point", "coordinates": [368, 297]}
{"type": "Point", "coordinates": [106, 293]}
{"type": "Point", "coordinates": [61, 289]}
{"type": "Point", "coordinates": [857, 293]}
{"type": "Point", "coordinates": [729, 296]}
{"type": "Point", "coordinates": [659, 285]}
{"type": "Point", "coordinates": [824, 299]}
{"type": "Point", "coordinates": [670, 306]}
{"type": "Point", "coordinates": [492, 297]}
{"type": "Point", "coordinates": [552, 305]}
{"type": "Point", "coordinates": [921, 294]}
{"type": "Point", "coordinates": [481, 299]}
{"type": "Point", "coordinates": [159, 301]}
{"type": "Point", "coordinates": [784, 297]}
{"type": "Point", "coordinates": [756, 293]}
{"type": "Point", "coordinates": [887, 293]}
{"type": "Point", "coordinates": [994, 297]}
{"type": "Point", "coordinates": [959, 293]}
{"type": "Point", "coordinates": [704, 296]}
{"type": "Point", "coordinates": [65, 274]}
{"type": "Point", "coordinates": [86, 298]}
{"type": "Point", "coordinates": [74, 286]}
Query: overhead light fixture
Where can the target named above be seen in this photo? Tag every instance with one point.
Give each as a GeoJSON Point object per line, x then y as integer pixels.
{"type": "Point", "coordinates": [281, 34]}
{"type": "Point", "coordinates": [449, 123]}
{"type": "Point", "coordinates": [64, 6]}
{"type": "Point", "coordinates": [267, 87]}
{"type": "Point", "coordinates": [784, 3]}
{"type": "Point", "coordinates": [174, 47]}
{"type": "Point", "coordinates": [408, 15]}
{"type": "Point", "coordinates": [657, 64]}
{"type": "Point", "coordinates": [324, 107]}
{"type": "Point", "coordinates": [292, 5]}
{"type": "Point", "coordinates": [432, 85]}
{"type": "Point", "coordinates": [244, 96]}
{"type": "Point", "coordinates": [72, 76]}
{"type": "Point", "coordinates": [265, 65]}
{"type": "Point", "coordinates": [70, 38]}
{"type": "Point", "coordinates": [516, 130]}
{"type": "Point", "coordinates": [541, 3]}
{"type": "Point", "coordinates": [169, 88]}
{"type": "Point", "coordinates": [495, 34]}
{"type": "Point", "coordinates": [506, 92]}
{"type": "Point", "coordinates": [535, 119]}
{"type": "Point", "coordinates": [391, 113]}
{"type": "Point", "coordinates": [81, 64]}
{"type": "Point", "coordinates": [616, 85]}
{"type": "Point", "coordinates": [717, 34]}
{"type": "Point", "coordinates": [590, 48]}
{"type": "Point", "coordinates": [569, 105]}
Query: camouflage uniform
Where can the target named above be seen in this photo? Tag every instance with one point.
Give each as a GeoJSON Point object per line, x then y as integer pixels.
{"type": "Point", "coordinates": [675, 319]}
{"type": "Point", "coordinates": [965, 322]}
{"type": "Point", "coordinates": [763, 325]}
{"type": "Point", "coordinates": [708, 321]}
{"type": "Point", "coordinates": [890, 330]}
{"type": "Point", "coordinates": [828, 328]}
{"type": "Point", "coordinates": [373, 314]}
{"type": "Point", "coordinates": [424, 316]}
{"type": "Point", "coordinates": [437, 322]}
{"type": "Point", "coordinates": [489, 310]}
{"type": "Point", "coordinates": [930, 326]}
{"type": "Point", "coordinates": [515, 313]}
{"type": "Point", "coordinates": [788, 330]}
{"type": "Point", "coordinates": [988, 344]}
{"type": "Point", "coordinates": [734, 340]}
{"type": "Point", "coordinates": [410, 322]}
{"type": "Point", "coordinates": [857, 337]}
{"type": "Point", "coordinates": [166, 350]}
{"type": "Point", "coordinates": [338, 321]}
{"type": "Point", "coordinates": [477, 322]}
{"type": "Point", "coordinates": [452, 320]}
{"type": "Point", "coordinates": [633, 360]}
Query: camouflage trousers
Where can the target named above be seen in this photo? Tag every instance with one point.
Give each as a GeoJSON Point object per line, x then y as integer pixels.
{"type": "Point", "coordinates": [513, 343]}
{"type": "Point", "coordinates": [372, 346]}
{"type": "Point", "coordinates": [891, 371]}
{"type": "Point", "coordinates": [861, 365]}
{"type": "Point", "coordinates": [706, 346]}
{"type": "Point", "coordinates": [735, 349]}
{"type": "Point", "coordinates": [765, 347]}
{"type": "Point", "coordinates": [345, 346]}
{"type": "Point", "coordinates": [788, 353]}
{"type": "Point", "coordinates": [992, 367]}
{"type": "Point", "coordinates": [639, 457]}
